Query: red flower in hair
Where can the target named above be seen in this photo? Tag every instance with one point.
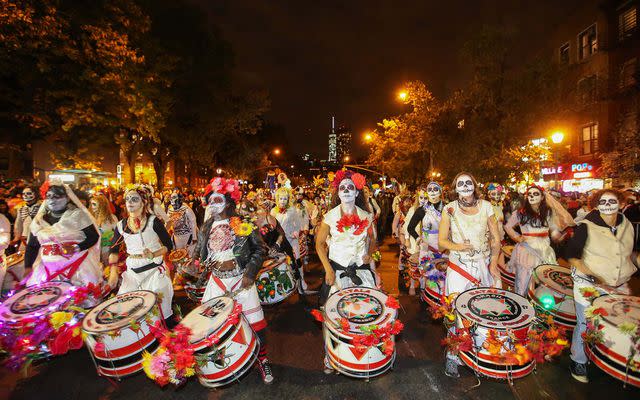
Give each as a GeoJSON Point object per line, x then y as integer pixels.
{"type": "Point", "coordinates": [224, 186]}
{"type": "Point", "coordinates": [44, 189]}
{"type": "Point", "coordinates": [358, 179]}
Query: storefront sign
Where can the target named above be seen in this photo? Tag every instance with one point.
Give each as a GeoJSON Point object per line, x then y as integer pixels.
{"type": "Point", "coordinates": [552, 170]}
{"type": "Point", "coordinates": [581, 167]}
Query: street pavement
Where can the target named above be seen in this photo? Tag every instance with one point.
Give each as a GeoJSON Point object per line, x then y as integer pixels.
{"type": "Point", "coordinates": [296, 352]}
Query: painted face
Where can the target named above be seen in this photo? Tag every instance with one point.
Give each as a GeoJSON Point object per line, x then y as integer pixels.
{"type": "Point", "coordinates": [175, 200]}
{"type": "Point", "coordinates": [56, 202]}
{"type": "Point", "coordinates": [28, 196]}
{"type": "Point", "coordinates": [94, 206]}
{"type": "Point", "coordinates": [283, 200]}
{"type": "Point", "coordinates": [217, 203]}
{"type": "Point", "coordinates": [608, 204]}
{"type": "Point", "coordinates": [494, 195]}
{"type": "Point", "coordinates": [534, 196]}
{"type": "Point", "coordinates": [464, 186]}
{"type": "Point", "coordinates": [347, 191]}
{"type": "Point", "coordinates": [133, 203]}
{"type": "Point", "coordinates": [434, 192]}
{"type": "Point", "coordinates": [423, 198]}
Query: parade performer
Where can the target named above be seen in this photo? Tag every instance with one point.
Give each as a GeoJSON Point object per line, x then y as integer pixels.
{"type": "Point", "coordinates": [232, 253]}
{"type": "Point", "coordinates": [410, 243]}
{"type": "Point", "coordinates": [64, 239]}
{"type": "Point", "coordinates": [106, 222]}
{"type": "Point", "coordinates": [345, 240]}
{"type": "Point", "coordinates": [397, 229]}
{"type": "Point", "coordinates": [294, 223]}
{"type": "Point", "coordinates": [601, 254]}
{"type": "Point", "coordinates": [147, 241]}
{"type": "Point", "coordinates": [5, 238]}
{"type": "Point", "coordinates": [469, 231]}
{"type": "Point", "coordinates": [182, 224]}
{"type": "Point", "coordinates": [24, 216]}
{"type": "Point", "coordinates": [272, 233]}
{"type": "Point", "coordinates": [494, 193]}
{"type": "Point", "coordinates": [540, 218]}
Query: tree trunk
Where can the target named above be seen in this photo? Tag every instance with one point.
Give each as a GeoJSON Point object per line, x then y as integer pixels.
{"type": "Point", "coordinates": [159, 167]}
{"type": "Point", "coordinates": [130, 156]}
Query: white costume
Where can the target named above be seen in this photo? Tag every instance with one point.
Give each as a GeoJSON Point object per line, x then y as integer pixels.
{"type": "Point", "coordinates": [293, 221]}
{"type": "Point", "coordinates": [184, 228]}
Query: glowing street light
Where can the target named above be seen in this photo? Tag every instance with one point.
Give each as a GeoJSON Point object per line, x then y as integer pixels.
{"type": "Point", "coordinates": [557, 137]}
{"type": "Point", "coordinates": [347, 158]}
{"type": "Point", "coordinates": [276, 152]}
{"type": "Point", "coordinates": [403, 95]}
{"type": "Point", "coordinates": [368, 137]}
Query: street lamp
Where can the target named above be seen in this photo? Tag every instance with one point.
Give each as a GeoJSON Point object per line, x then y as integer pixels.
{"type": "Point", "coordinates": [368, 137]}
{"type": "Point", "coordinates": [276, 152]}
{"type": "Point", "coordinates": [347, 158]}
{"type": "Point", "coordinates": [402, 95]}
{"type": "Point", "coordinates": [557, 138]}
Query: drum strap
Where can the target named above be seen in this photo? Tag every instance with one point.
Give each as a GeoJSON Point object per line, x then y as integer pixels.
{"type": "Point", "coordinates": [538, 234]}
{"type": "Point", "coordinates": [222, 286]}
{"type": "Point", "coordinates": [69, 270]}
{"type": "Point", "coordinates": [464, 273]}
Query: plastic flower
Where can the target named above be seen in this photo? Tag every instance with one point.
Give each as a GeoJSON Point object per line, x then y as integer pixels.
{"type": "Point", "coordinates": [344, 324]}
{"type": "Point", "coordinates": [57, 319]}
{"type": "Point", "coordinates": [358, 180]}
{"type": "Point", "coordinates": [628, 328]}
{"type": "Point", "coordinates": [589, 293]}
{"type": "Point", "coordinates": [317, 314]}
{"type": "Point", "coordinates": [392, 302]}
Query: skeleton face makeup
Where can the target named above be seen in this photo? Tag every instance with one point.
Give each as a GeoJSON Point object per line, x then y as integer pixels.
{"type": "Point", "coordinates": [347, 191]}
{"type": "Point", "coordinates": [464, 186]}
{"type": "Point", "coordinates": [283, 200]}
{"type": "Point", "coordinates": [176, 201]}
{"type": "Point", "coordinates": [494, 195]}
{"type": "Point", "coordinates": [534, 196]}
{"type": "Point", "coordinates": [94, 206]}
{"type": "Point", "coordinates": [28, 196]}
{"type": "Point", "coordinates": [133, 202]}
{"type": "Point", "coordinates": [434, 193]}
{"type": "Point", "coordinates": [608, 204]}
{"type": "Point", "coordinates": [423, 198]}
{"type": "Point", "coordinates": [217, 203]}
{"type": "Point", "coordinates": [56, 202]}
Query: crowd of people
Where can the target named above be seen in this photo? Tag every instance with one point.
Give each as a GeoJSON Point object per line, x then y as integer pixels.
{"type": "Point", "coordinates": [120, 240]}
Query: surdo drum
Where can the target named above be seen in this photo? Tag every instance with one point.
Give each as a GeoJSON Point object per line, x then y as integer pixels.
{"type": "Point", "coordinates": [551, 291]}
{"type": "Point", "coordinates": [614, 353]}
{"type": "Point", "coordinates": [117, 332]}
{"type": "Point", "coordinates": [361, 307]}
{"type": "Point", "coordinates": [508, 314]}
{"type": "Point", "coordinates": [434, 288]}
{"type": "Point", "coordinates": [275, 281]}
{"type": "Point", "coordinates": [508, 276]}
{"type": "Point", "coordinates": [237, 345]}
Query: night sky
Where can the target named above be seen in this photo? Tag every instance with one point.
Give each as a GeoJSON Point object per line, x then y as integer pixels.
{"type": "Point", "coordinates": [349, 58]}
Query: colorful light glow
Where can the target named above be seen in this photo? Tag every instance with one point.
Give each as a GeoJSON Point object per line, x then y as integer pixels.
{"type": "Point", "coordinates": [547, 301]}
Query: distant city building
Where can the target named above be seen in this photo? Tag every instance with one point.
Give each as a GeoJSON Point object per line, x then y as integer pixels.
{"type": "Point", "coordinates": [339, 143]}
{"type": "Point", "coordinates": [333, 156]}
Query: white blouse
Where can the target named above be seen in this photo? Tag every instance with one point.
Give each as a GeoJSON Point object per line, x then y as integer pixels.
{"type": "Point", "coordinates": [474, 228]}
{"type": "Point", "coordinates": [346, 248]}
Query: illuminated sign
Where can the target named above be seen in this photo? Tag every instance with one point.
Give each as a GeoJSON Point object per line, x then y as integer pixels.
{"type": "Point", "coordinates": [581, 167]}
{"type": "Point", "coordinates": [579, 175]}
{"type": "Point", "coordinates": [63, 177]}
{"type": "Point", "coordinates": [552, 170]}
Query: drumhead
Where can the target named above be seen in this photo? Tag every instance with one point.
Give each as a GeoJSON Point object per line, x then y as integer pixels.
{"type": "Point", "coordinates": [495, 308]}
{"type": "Point", "coordinates": [208, 317]}
{"type": "Point", "coordinates": [178, 255]}
{"type": "Point", "coordinates": [555, 277]}
{"type": "Point", "coordinates": [619, 309]}
{"type": "Point", "coordinates": [273, 262]}
{"type": "Point", "coordinates": [35, 301]}
{"type": "Point", "coordinates": [118, 312]}
{"type": "Point", "coordinates": [360, 306]}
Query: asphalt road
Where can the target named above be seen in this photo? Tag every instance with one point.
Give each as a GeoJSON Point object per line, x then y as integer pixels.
{"type": "Point", "coordinates": [296, 352]}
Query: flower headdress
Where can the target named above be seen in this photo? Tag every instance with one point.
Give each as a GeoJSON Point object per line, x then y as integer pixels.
{"type": "Point", "coordinates": [224, 186]}
{"type": "Point", "coordinates": [358, 179]}
{"type": "Point", "coordinates": [534, 187]}
{"type": "Point", "coordinates": [495, 186]}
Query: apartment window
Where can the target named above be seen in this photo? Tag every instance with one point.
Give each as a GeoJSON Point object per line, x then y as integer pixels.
{"type": "Point", "coordinates": [627, 23]}
{"type": "Point", "coordinates": [587, 90]}
{"type": "Point", "coordinates": [629, 73]}
{"type": "Point", "coordinates": [564, 54]}
{"type": "Point", "coordinates": [590, 139]}
{"type": "Point", "coordinates": [587, 42]}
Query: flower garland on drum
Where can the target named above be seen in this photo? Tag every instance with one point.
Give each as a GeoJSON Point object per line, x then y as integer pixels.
{"type": "Point", "coordinates": [175, 360]}
{"type": "Point", "coordinates": [348, 221]}
{"type": "Point", "coordinates": [51, 333]}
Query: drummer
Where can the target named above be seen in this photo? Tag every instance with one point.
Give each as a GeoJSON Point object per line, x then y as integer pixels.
{"type": "Point", "coordinates": [601, 254]}
{"type": "Point", "coordinates": [470, 232]}
{"type": "Point", "coordinates": [272, 233]}
{"type": "Point", "coordinates": [345, 240]}
{"type": "Point", "coordinates": [232, 252]}
{"type": "Point", "coordinates": [147, 241]}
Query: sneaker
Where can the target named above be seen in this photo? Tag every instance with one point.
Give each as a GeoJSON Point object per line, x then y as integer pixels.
{"type": "Point", "coordinates": [265, 371]}
{"type": "Point", "coordinates": [451, 368]}
{"type": "Point", "coordinates": [579, 372]}
{"type": "Point", "coordinates": [328, 369]}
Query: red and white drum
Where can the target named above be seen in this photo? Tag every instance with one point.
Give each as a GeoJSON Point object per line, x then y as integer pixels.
{"type": "Point", "coordinates": [508, 314]}
{"type": "Point", "coordinates": [434, 283]}
{"type": "Point", "coordinates": [237, 345]}
{"type": "Point", "coordinates": [194, 293]}
{"type": "Point", "coordinates": [508, 276]}
{"type": "Point", "coordinates": [36, 301]}
{"type": "Point", "coordinates": [14, 271]}
{"type": "Point", "coordinates": [361, 307]}
{"type": "Point", "coordinates": [551, 291]}
{"type": "Point", "coordinates": [614, 354]}
{"type": "Point", "coordinates": [275, 281]}
{"type": "Point", "coordinates": [117, 332]}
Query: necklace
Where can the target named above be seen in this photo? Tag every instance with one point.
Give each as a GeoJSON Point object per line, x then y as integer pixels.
{"type": "Point", "coordinates": [465, 204]}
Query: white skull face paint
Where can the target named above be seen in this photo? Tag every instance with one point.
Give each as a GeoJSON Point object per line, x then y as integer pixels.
{"type": "Point", "coordinates": [347, 191]}
{"type": "Point", "coordinates": [534, 196]}
{"type": "Point", "coordinates": [464, 186]}
{"type": "Point", "coordinates": [283, 200]}
{"type": "Point", "coordinates": [608, 204]}
{"type": "Point", "coordinates": [56, 202]}
{"type": "Point", "coordinates": [133, 202]}
{"type": "Point", "coordinates": [28, 196]}
{"type": "Point", "coordinates": [434, 193]}
{"type": "Point", "coordinates": [217, 203]}
{"type": "Point", "coordinates": [175, 200]}
{"type": "Point", "coordinates": [423, 198]}
{"type": "Point", "coordinates": [494, 195]}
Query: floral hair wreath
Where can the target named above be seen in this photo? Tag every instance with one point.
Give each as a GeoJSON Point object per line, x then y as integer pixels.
{"type": "Point", "coordinates": [224, 186]}
{"type": "Point", "coordinates": [534, 187]}
{"type": "Point", "coordinates": [358, 179]}
{"type": "Point", "coordinates": [495, 186]}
